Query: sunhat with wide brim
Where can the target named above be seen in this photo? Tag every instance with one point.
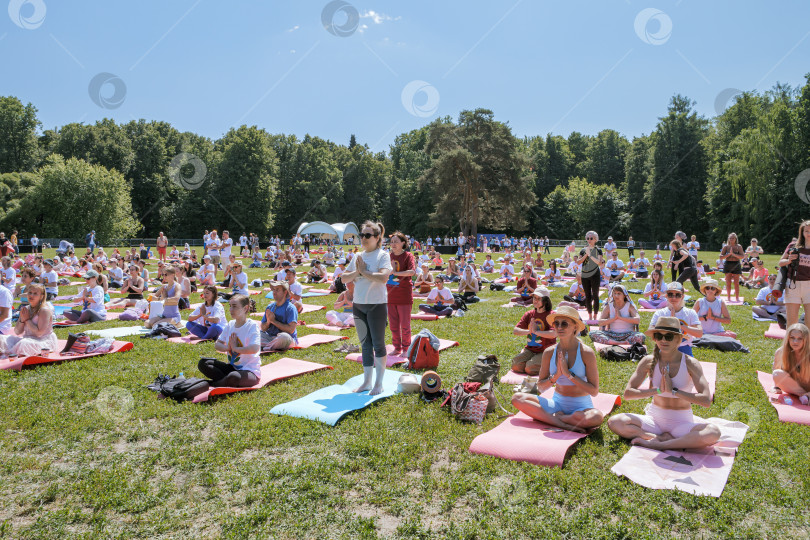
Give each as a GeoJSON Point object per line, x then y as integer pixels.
{"type": "Point", "coordinates": [671, 325]}
{"type": "Point", "coordinates": [708, 283]}
{"type": "Point", "coordinates": [568, 313]}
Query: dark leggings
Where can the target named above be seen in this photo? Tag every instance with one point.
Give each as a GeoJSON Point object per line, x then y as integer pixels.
{"type": "Point", "coordinates": [691, 274]}
{"type": "Point", "coordinates": [591, 286]}
{"type": "Point", "coordinates": [224, 374]}
{"type": "Point", "coordinates": [575, 301]}
{"type": "Point", "coordinates": [370, 321]}
{"type": "Point", "coordinates": [674, 272]}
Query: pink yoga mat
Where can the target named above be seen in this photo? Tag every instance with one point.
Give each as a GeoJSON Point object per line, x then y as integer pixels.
{"type": "Point", "coordinates": [394, 360]}
{"type": "Point", "coordinates": [304, 342]}
{"type": "Point", "coordinates": [775, 332]}
{"type": "Point", "coordinates": [283, 368]}
{"type": "Point", "coordinates": [521, 438]}
{"type": "Point", "coordinates": [190, 339]}
{"type": "Point", "coordinates": [513, 378]}
{"type": "Point", "coordinates": [424, 316]}
{"type": "Point", "coordinates": [699, 471]}
{"type": "Point", "coordinates": [56, 356]}
{"type": "Point", "coordinates": [796, 413]}
{"type": "Point", "coordinates": [329, 327]}
{"type": "Point", "coordinates": [584, 316]}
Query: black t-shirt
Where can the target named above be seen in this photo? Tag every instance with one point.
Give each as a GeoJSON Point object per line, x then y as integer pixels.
{"type": "Point", "coordinates": [687, 262]}
{"type": "Point", "coordinates": [590, 267]}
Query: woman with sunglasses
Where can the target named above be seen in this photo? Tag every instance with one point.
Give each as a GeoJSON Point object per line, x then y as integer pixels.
{"type": "Point", "coordinates": [675, 381]}
{"type": "Point", "coordinates": [369, 270]}
{"type": "Point", "coordinates": [791, 363]}
{"type": "Point", "coordinates": [731, 255]}
{"type": "Point", "coordinates": [712, 310]}
{"type": "Point", "coordinates": [590, 258]}
{"type": "Point", "coordinates": [571, 365]}
{"type": "Point", "coordinates": [690, 322]}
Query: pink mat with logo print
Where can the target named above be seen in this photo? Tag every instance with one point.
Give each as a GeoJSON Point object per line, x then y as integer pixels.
{"type": "Point", "coordinates": [521, 438]}
{"type": "Point", "coordinates": [56, 356]}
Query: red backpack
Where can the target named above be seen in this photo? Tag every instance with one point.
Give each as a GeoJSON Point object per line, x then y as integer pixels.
{"type": "Point", "coordinates": [423, 355]}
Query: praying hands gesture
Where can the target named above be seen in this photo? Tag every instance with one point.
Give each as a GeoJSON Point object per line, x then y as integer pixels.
{"type": "Point", "coordinates": [666, 380]}
{"type": "Point", "coordinates": [562, 366]}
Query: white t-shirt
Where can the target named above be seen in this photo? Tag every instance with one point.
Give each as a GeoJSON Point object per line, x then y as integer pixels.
{"type": "Point", "coordinates": [554, 275]}
{"type": "Point", "coordinates": [574, 268]}
{"type": "Point", "coordinates": [572, 291]}
{"type": "Point", "coordinates": [365, 290]}
{"type": "Point", "coordinates": [662, 288]}
{"type": "Point", "coordinates": [6, 301]}
{"type": "Point", "coordinates": [50, 280]}
{"type": "Point", "coordinates": [96, 301]}
{"type": "Point", "coordinates": [610, 246]}
{"type": "Point", "coordinates": [9, 278]}
{"type": "Point", "coordinates": [247, 334]}
{"type": "Point", "coordinates": [241, 282]}
{"type": "Point", "coordinates": [217, 311]}
{"type": "Point", "coordinates": [444, 296]}
{"type": "Point", "coordinates": [507, 270]}
{"type": "Point", "coordinates": [687, 315]}
{"type": "Point", "coordinates": [642, 264]}
{"type": "Point", "coordinates": [226, 248]}
{"type": "Point", "coordinates": [336, 273]}
{"type": "Point", "coordinates": [206, 270]}
{"type": "Point", "coordinates": [693, 247]}
{"type": "Point", "coordinates": [764, 294]}
{"type": "Point", "coordinates": [297, 289]}
{"type": "Point", "coordinates": [243, 240]}
{"type": "Point", "coordinates": [213, 246]}
{"type": "Point", "coordinates": [117, 274]}
{"type": "Point", "coordinates": [614, 265]}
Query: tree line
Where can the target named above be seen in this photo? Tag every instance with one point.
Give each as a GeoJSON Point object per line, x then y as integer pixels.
{"type": "Point", "coordinates": [735, 172]}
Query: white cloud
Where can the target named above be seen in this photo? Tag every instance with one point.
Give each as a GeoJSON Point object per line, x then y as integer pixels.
{"type": "Point", "coordinates": [378, 18]}
{"type": "Point", "coordinates": [293, 29]}
{"type": "Point", "coordinates": [362, 28]}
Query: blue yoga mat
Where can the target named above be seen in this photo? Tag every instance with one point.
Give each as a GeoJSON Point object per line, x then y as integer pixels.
{"type": "Point", "coordinates": [58, 310]}
{"type": "Point", "coordinates": [329, 405]}
{"type": "Point", "coordinates": [312, 295]}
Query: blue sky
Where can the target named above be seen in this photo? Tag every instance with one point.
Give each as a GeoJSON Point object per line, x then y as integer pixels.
{"type": "Point", "coordinates": [206, 66]}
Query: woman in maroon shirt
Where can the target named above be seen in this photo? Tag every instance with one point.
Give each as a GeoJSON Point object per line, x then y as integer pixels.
{"type": "Point", "coordinates": [797, 291]}
{"type": "Point", "coordinates": [400, 293]}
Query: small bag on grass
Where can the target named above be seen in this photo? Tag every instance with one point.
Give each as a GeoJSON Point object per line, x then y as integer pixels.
{"type": "Point", "coordinates": [179, 388]}
{"type": "Point", "coordinates": [485, 369]}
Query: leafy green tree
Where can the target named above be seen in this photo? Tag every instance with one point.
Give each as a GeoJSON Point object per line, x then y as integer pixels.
{"type": "Point", "coordinates": [479, 174]}
{"type": "Point", "coordinates": [245, 181]}
{"type": "Point", "coordinates": [638, 171]}
{"type": "Point", "coordinates": [19, 150]}
{"type": "Point", "coordinates": [14, 188]}
{"type": "Point", "coordinates": [73, 197]}
{"type": "Point", "coordinates": [606, 155]}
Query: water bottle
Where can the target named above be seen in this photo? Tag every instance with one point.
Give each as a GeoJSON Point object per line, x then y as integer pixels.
{"type": "Point", "coordinates": [804, 400]}
{"type": "Point", "coordinates": [788, 400]}
{"type": "Point", "coordinates": [181, 376]}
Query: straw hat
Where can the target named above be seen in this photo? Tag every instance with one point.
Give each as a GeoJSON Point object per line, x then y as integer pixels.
{"type": "Point", "coordinates": [671, 325]}
{"type": "Point", "coordinates": [708, 283]}
{"type": "Point", "coordinates": [568, 313]}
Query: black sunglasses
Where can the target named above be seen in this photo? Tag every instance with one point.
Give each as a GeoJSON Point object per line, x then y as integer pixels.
{"type": "Point", "coordinates": [369, 235]}
{"type": "Point", "coordinates": [561, 324]}
{"type": "Point", "coordinates": [674, 295]}
{"type": "Point", "coordinates": [658, 336]}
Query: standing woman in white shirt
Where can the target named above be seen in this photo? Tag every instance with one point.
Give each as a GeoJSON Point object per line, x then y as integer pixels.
{"type": "Point", "coordinates": [369, 270]}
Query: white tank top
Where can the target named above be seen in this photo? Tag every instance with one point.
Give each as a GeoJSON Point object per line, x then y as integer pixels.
{"type": "Point", "coordinates": [711, 326]}
{"type": "Point", "coordinates": [620, 326]}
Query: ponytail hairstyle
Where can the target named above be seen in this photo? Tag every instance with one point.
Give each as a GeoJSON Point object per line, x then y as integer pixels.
{"type": "Point", "coordinates": [656, 359]}
{"type": "Point", "coordinates": [377, 227]}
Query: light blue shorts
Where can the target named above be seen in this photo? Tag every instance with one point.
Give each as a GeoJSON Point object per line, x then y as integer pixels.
{"type": "Point", "coordinates": [565, 404]}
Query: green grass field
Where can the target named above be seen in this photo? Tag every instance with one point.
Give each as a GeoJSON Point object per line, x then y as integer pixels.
{"type": "Point", "coordinates": [87, 451]}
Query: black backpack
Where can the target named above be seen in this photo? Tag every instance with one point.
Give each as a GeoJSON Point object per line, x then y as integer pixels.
{"type": "Point", "coordinates": [179, 388]}
{"type": "Point", "coordinates": [497, 286]}
{"type": "Point", "coordinates": [459, 302]}
{"type": "Point", "coordinates": [617, 353]}
{"type": "Point", "coordinates": [163, 329]}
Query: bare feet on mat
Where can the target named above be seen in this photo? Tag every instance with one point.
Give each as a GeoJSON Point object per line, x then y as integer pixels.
{"type": "Point", "coordinates": [376, 390]}
{"type": "Point", "coordinates": [362, 388]}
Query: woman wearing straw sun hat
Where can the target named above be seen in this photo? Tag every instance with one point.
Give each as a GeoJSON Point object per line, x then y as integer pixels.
{"type": "Point", "coordinates": [675, 381]}
{"type": "Point", "coordinates": [571, 365]}
{"type": "Point", "coordinates": [712, 309]}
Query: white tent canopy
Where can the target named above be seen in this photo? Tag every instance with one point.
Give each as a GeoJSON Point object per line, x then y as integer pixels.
{"type": "Point", "coordinates": [339, 230]}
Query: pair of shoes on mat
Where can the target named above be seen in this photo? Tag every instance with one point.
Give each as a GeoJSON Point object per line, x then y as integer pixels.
{"type": "Point", "coordinates": [347, 348]}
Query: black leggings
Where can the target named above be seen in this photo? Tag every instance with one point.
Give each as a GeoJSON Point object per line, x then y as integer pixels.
{"type": "Point", "coordinates": [591, 286]}
{"type": "Point", "coordinates": [370, 321]}
{"type": "Point", "coordinates": [224, 374]}
{"type": "Point", "coordinates": [575, 301]}
{"type": "Point", "coordinates": [691, 274]}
